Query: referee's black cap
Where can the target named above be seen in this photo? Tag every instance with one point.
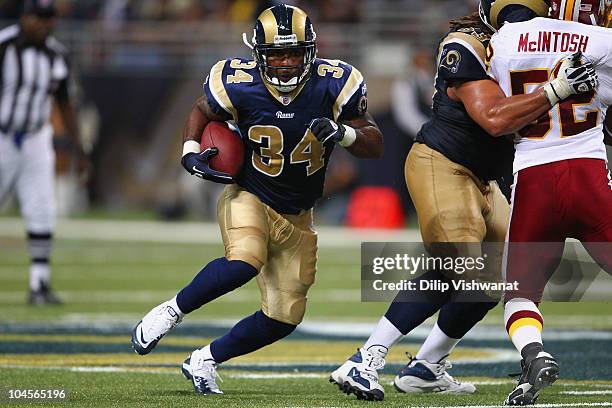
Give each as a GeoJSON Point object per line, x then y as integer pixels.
{"type": "Point", "coordinates": [42, 8]}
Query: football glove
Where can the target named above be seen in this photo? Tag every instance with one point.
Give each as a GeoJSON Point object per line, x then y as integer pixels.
{"type": "Point", "coordinates": [573, 78]}
{"type": "Point", "coordinates": [197, 164]}
{"type": "Point", "coordinates": [326, 129]}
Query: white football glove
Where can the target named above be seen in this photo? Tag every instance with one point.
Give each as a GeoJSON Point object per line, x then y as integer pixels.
{"type": "Point", "coordinates": [573, 78]}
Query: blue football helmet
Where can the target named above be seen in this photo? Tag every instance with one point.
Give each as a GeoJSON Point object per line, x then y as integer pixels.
{"type": "Point", "coordinates": [491, 10]}
{"type": "Point", "coordinates": [284, 27]}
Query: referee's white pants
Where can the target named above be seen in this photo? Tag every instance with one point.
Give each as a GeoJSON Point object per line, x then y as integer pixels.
{"type": "Point", "coordinates": [29, 172]}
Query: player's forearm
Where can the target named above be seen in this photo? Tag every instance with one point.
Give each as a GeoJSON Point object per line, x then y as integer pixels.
{"type": "Point", "coordinates": [195, 124]}
{"type": "Point", "coordinates": [511, 114]}
{"type": "Point", "coordinates": [368, 143]}
{"type": "Point", "coordinates": [368, 139]}
{"type": "Point", "coordinates": [497, 114]}
{"type": "Point", "coordinates": [199, 117]}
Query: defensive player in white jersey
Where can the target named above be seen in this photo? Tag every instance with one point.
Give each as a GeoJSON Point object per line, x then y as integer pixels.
{"type": "Point", "coordinates": [561, 185]}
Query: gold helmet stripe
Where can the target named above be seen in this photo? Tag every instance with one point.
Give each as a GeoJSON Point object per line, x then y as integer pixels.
{"type": "Point", "coordinates": [537, 6]}
{"type": "Point", "coordinates": [299, 23]}
{"type": "Point", "coordinates": [270, 26]}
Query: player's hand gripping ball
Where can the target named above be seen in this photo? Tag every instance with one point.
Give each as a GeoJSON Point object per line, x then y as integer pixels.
{"type": "Point", "coordinates": [221, 156]}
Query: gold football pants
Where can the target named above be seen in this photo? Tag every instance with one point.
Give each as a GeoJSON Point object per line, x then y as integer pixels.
{"type": "Point", "coordinates": [455, 206]}
{"type": "Point", "coordinates": [282, 247]}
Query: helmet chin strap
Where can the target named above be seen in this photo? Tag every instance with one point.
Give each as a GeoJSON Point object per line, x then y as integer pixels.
{"type": "Point", "coordinates": [593, 19]}
{"type": "Point", "coordinates": [284, 87]}
{"type": "Point", "coordinates": [289, 86]}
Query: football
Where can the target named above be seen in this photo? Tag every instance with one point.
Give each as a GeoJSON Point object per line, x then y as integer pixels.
{"type": "Point", "coordinates": [231, 149]}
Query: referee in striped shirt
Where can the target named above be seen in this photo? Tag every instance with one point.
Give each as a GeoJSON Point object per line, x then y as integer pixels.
{"type": "Point", "coordinates": [33, 70]}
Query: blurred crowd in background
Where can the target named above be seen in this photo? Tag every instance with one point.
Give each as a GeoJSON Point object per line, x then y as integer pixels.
{"type": "Point", "coordinates": [139, 66]}
{"type": "Point", "coordinates": [324, 11]}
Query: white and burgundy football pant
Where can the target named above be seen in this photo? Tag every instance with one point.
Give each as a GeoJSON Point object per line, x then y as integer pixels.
{"type": "Point", "coordinates": [552, 202]}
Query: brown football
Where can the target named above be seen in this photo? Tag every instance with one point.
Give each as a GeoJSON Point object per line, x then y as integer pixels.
{"type": "Point", "coordinates": [231, 149]}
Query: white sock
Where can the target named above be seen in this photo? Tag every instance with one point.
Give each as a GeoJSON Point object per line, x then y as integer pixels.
{"type": "Point", "coordinates": [526, 335]}
{"type": "Point", "coordinates": [207, 354]}
{"type": "Point", "coordinates": [523, 322]}
{"type": "Point", "coordinates": [177, 309]}
{"type": "Point", "coordinates": [436, 346]}
{"type": "Point", "coordinates": [385, 334]}
{"type": "Point", "coordinates": [39, 272]}
{"type": "Point", "coordinates": [379, 350]}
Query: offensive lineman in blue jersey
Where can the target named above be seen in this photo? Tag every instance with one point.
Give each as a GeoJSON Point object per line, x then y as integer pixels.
{"type": "Point", "coordinates": [291, 109]}
{"type": "Point", "coordinates": [450, 173]}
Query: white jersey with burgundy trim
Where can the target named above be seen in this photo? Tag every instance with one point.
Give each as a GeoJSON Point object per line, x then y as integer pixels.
{"type": "Point", "coordinates": [522, 57]}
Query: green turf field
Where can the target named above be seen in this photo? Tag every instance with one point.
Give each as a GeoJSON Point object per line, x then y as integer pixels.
{"type": "Point", "coordinates": [83, 346]}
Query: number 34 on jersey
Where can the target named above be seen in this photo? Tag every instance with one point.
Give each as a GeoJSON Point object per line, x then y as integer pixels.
{"type": "Point", "coordinates": [284, 158]}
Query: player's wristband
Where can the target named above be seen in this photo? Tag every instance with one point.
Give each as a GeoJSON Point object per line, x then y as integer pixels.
{"type": "Point", "coordinates": [350, 135]}
{"type": "Point", "coordinates": [551, 94]}
{"type": "Point", "coordinates": [557, 90]}
{"type": "Point", "coordinates": [190, 146]}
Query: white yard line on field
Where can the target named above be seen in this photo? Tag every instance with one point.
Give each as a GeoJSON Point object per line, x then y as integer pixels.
{"type": "Point", "coordinates": [143, 370]}
{"type": "Point", "coordinates": [275, 376]}
{"type": "Point", "coordinates": [327, 329]}
{"type": "Point", "coordinates": [146, 296]}
{"type": "Point", "coordinates": [193, 232]}
{"type": "Point", "coordinates": [602, 392]}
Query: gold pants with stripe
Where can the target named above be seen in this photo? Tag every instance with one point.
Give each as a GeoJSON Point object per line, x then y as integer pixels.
{"type": "Point", "coordinates": [455, 206]}
{"type": "Point", "coordinates": [282, 247]}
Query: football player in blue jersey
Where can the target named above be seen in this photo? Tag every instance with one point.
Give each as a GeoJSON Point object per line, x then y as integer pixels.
{"type": "Point", "coordinates": [291, 109]}
{"type": "Point", "coordinates": [451, 174]}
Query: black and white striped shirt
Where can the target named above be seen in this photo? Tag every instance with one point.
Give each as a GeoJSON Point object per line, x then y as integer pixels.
{"type": "Point", "coordinates": [29, 76]}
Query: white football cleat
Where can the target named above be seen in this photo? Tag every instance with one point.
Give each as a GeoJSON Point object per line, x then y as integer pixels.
{"type": "Point", "coordinates": [359, 375]}
{"type": "Point", "coordinates": [423, 376]}
{"type": "Point", "coordinates": [149, 331]}
{"type": "Point", "coordinates": [201, 369]}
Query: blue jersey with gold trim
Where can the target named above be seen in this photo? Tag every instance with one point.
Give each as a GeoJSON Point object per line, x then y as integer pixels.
{"type": "Point", "coordinates": [284, 163]}
{"type": "Point", "coordinates": [451, 131]}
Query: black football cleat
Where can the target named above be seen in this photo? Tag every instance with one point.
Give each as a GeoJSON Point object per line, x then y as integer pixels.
{"type": "Point", "coordinates": [541, 372]}
{"type": "Point", "coordinates": [43, 296]}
